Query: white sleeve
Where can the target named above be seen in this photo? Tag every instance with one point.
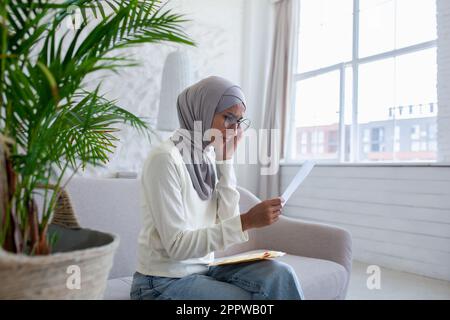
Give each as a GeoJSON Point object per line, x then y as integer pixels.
{"type": "Point", "coordinates": [227, 194]}
{"type": "Point", "coordinates": [162, 188]}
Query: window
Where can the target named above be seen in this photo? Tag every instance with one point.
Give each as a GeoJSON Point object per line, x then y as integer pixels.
{"type": "Point", "coordinates": [432, 137]}
{"type": "Point", "coordinates": [366, 74]}
{"type": "Point", "coordinates": [317, 143]}
{"type": "Point", "coordinates": [377, 142]}
{"type": "Point", "coordinates": [332, 142]}
{"type": "Point", "coordinates": [304, 145]}
{"type": "Point", "coordinates": [397, 139]}
{"type": "Point", "coordinates": [374, 146]}
{"type": "Point", "coordinates": [423, 139]}
{"type": "Point", "coordinates": [331, 21]}
{"type": "Point", "coordinates": [318, 115]}
{"type": "Point", "coordinates": [386, 25]}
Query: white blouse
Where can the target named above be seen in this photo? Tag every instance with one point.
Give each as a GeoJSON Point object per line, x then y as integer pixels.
{"type": "Point", "coordinates": [180, 231]}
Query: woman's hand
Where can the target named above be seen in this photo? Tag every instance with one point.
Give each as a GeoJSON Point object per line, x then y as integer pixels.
{"type": "Point", "coordinates": [263, 214]}
{"type": "Point", "coordinates": [227, 146]}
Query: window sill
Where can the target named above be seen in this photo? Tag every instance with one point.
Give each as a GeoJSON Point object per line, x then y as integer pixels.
{"type": "Point", "coordinates": [381, 165]}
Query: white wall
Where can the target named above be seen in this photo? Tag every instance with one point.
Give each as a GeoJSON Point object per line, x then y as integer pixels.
{"type": "Point", "coordinates": [399, 216]}
{"type": "Point", "coordinates": [443, 57]}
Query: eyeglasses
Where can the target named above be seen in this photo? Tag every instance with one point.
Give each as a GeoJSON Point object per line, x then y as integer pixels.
{"type": "Point", "coordinates": [242, 123]}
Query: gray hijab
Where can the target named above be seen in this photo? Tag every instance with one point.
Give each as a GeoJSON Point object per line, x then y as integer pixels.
{"type": "Point", "coordinates": [200, 102]}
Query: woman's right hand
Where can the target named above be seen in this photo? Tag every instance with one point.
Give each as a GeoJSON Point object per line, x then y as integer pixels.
{"type": "Point", "coordinates": [263, 214]}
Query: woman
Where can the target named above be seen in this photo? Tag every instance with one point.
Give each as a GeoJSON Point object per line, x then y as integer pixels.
{"type": "Point", "coordinates": [188, 212]}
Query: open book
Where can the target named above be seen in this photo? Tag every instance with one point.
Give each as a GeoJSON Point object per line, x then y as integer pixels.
{"type": "Point", "coordinates": [248, 257]}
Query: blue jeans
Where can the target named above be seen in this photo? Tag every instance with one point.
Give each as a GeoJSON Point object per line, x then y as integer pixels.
{"type": "Point", "coordinates": [260, 280]}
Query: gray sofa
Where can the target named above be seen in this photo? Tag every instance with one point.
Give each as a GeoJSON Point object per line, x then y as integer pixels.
{"type": "Point", "coordinates": [320, 254]}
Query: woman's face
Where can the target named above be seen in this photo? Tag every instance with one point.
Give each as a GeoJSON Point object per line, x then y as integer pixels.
{"type": "Point", "coordinates": [229, 115]}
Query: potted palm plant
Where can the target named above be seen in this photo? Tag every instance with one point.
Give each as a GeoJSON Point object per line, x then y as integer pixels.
{"type": "Point", "coordinates": [51, 124]}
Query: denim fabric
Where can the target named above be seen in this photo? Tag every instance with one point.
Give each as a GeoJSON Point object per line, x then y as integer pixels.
{"type": "Point", "coordinates": [260, 280]}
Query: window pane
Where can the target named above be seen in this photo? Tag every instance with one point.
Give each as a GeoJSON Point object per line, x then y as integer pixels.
{"type": "Point", "coordinates": [317, 117]}
{"type": "Point", "coordinates": [397, 108]}
{"type": "Point", "coordinates": [416, 22]}
{"type": "Point", "coordinates": [417, 78]}
{"type": "Point", "coordinates": [325, 36]}
{"type": "Point", "coordinates": [386, 25]}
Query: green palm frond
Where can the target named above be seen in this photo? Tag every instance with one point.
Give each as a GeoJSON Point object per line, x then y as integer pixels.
{"type": "Point", "coordinates": [46, 110]}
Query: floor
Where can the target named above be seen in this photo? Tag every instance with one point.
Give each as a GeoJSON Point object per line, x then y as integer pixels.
{"type": "Point", "coordinates": [395, 285]}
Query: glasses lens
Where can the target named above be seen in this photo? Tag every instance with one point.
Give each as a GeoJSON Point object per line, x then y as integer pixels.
{"type": "Point", "coordinates": [245, 124]}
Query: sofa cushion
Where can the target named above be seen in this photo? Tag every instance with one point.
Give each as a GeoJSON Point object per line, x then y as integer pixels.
{"type": "Point", "coordinates": [110, 205]}
{"type": "Point", "coordinates": [118, 289]}
{"type": "Point", "coordinates": [320, 279]}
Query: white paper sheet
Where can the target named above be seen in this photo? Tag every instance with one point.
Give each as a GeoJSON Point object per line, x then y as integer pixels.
{"type": "Point", "coordinates": [298, 179]}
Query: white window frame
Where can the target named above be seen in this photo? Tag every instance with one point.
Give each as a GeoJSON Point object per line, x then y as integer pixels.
{"type": "Point", "coordinates": [341, 67]}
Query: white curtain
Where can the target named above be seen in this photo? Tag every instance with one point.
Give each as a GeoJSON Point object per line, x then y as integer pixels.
{"type": "Point", "coordinates": [278, 97]}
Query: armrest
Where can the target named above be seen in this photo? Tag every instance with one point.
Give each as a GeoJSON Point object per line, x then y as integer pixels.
{"type": "Point", "coordinates": [299, 237]}
{"type": "Point", "coordinates": [308, 239]}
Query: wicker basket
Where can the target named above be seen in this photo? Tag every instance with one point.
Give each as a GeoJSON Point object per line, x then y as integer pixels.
{"type": "Point", "coordinates": [52, 276]}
